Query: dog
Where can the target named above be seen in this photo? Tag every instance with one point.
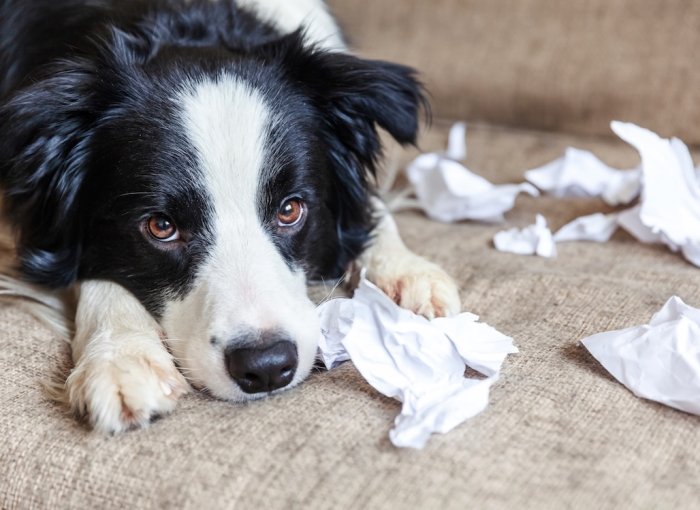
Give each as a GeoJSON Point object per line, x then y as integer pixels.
{"type": "Point", "coordinates": [186, 167]}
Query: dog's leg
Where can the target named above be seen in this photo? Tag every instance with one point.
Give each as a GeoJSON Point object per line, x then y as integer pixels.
{"type": "Point", "coordinates": [123, 375]}
{"type": "Point", "coordinates": [409, 279]}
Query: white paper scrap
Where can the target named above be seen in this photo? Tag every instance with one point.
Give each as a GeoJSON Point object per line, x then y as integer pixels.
{"type": "Point", "coordinates": [596, 227]}
{"type": "Point", "coordinates": [532, 240]}
{"type": "Point", "coordinates": [669, 207]}
{"type": "Point", "coordinates": [658, 361]}
{"type": "Point", "coordinates": [447, 191]}
{"type": "Point", "coordinates": [416, 361]}
{"type": "Point", "coordinates": [631, 221]}
{"type": "Point", "coordinates": [580, 173]}
{"type": "Point", "coordinates": [457, 142]}
{"type": "Point", "coordinates": [669, 211]}
{"type": "Point", "coordinates": [334, 327]}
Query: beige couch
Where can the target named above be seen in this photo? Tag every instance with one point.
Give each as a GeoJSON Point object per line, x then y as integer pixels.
{"type": "Point", "coordinates": [532, 77]}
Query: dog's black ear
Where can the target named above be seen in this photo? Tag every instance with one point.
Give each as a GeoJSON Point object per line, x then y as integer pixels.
{"type": "Point", "coordinates": [352, 97]}
{"type": "Point", "coordinates": [46, 130]}
{"type": "Point", "coordinates": [360, 94]}
{"type": "Point", "coordinates": [357, 95]}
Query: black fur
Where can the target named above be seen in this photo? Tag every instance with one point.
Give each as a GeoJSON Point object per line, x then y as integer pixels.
{"type": "Point", "coordinates": [91, 147]}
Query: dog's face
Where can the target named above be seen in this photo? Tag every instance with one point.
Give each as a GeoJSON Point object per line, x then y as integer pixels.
{"type": "Point", "coordinates": [223, 215]}
{"type": "Point", "coordinates": [210, 183]}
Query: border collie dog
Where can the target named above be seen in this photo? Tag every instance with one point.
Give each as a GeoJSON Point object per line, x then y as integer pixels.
{"type": "Point", "coordinates": [185, 167]}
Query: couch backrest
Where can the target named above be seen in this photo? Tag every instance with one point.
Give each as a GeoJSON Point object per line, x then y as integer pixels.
{"type": "Point", "coordinates": [549, 64]}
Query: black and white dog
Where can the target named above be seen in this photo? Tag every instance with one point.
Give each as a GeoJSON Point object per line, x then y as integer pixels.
{"type": "Point", "coordinates": [187, 166]}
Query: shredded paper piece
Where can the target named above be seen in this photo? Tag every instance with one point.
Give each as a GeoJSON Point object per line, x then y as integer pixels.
{"type": "Point", "coordinates": [419, 362]}
{"type": "Point", "coordinates": [581, 174]}
{"type": "Point", "coordinates": [658, 361]}
{"type": "Point", "coordinates": [596, 227]}
{"type": "Point", "coordinates": [667, 183]}
{"type": "Point", "coordinates": [447, 191]}
{"type": "Point", "coordinates": [457, 142]}
{"type": "Point", "coordinates": [532, 240]}
{"type": "Point", "coordinates": [669, 210]}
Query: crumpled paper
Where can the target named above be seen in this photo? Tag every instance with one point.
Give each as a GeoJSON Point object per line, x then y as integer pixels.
{"type": "Point", "coordinates": [447, 191]}
{"type": "Point", "coordinates": [658, 361]}
{"type": "Point", "coordinates": [669, 207]}
{"type": "Point", "coordinates": [532, 240]}
{"type": "Point", "coordinates": [580, 173]}
{"type": "Point", "coordinates": [669, 210]}
{"type": "Point", "coordinates": [419, 362]}
{"type": "Point", "coordinates": [537, 239]}
{"type": "Point", "coordinates": [596, 227]}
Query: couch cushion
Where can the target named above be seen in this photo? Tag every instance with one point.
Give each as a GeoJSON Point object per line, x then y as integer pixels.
{"type": "Point", "coordinates": [559, 432]}
{"type": "Point", "coordinates": [544, 63]}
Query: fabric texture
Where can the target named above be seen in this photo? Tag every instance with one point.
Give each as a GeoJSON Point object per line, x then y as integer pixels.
{"type": "Point", "coordinates": [559, 432]}
{"type": "Point", "coordinates": [544, 64]}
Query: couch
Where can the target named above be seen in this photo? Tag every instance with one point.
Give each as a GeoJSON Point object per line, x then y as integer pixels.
{"type": "Point", "coordinates": [531, 77]}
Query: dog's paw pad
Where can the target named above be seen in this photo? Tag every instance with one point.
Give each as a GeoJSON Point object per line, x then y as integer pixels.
{"type": "Point", "coordinates": [125, 389]}
{"type": "Point", "coordinates": [420, 286]}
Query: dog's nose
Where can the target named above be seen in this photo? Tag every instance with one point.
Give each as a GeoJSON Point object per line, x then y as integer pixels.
{"type": "Point", "coordinates": [264, 369]}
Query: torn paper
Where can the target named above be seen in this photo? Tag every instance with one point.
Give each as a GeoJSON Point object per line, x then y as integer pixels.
{"type": "Point", "coordinates": [669, 207]}
{"type": "Point", "coordinates": [596, 227]}
{"type": "Point", "coordinates": [457, 142]}
{"type": "Point", "coordinates": [447, 191]}
{"type": "Point", "coordinates": [659, 361]}
{"type": "Point", "coordinates": [669, 210]}
{"type": "Point", "coordinates": [580, 173]}
{"type": "Point", "coordinates": [532, 240]}
{"type": "Point", "coordinates": [416, 361]}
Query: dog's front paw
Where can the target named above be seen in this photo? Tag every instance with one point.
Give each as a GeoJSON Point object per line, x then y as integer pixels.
{"type": "Point", "coordinates": [124, 381]}
{"type": "Point", "coordinates": [417, 284]}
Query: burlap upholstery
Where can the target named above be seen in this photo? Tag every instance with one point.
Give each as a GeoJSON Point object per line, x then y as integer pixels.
{"type": "Point", "coordinates": [559, 432]}
{"type": "Point", "coordinates": [546, 64]}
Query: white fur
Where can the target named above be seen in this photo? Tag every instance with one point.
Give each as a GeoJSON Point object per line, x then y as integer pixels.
{"type": "Point", "coordinates": [123, 374]}
{"type": "Point", "coordinates": [288, 15]}
{"type": "Point", "coordinates": [244, 284]}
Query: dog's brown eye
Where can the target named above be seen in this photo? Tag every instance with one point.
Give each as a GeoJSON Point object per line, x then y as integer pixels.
{"type": "Point", "coordinates": [290, 212]}
{"type": "Point", "coordinates": [161, 228]}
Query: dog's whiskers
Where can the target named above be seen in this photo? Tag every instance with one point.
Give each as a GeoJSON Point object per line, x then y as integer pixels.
{"type": "Point", "coordinates": [182, 365]}
{"type": "Point", "coordinates": [337, 284]}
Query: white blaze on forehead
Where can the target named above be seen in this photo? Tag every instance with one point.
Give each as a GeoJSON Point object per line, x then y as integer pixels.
{"type": "Point", "coordinates": [226, 121]}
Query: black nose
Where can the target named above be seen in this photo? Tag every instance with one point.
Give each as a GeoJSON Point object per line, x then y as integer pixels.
{"type": "Point", "coordinates": [264, 369]}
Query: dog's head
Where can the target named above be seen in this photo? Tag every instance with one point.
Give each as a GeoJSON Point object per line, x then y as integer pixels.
{"type": "Point", "coordinates": [209, 176]}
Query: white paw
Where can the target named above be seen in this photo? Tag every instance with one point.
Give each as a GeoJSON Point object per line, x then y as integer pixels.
{"type": "Point", "coordinates": [417, 284]}
{"type": "Point", "coordinates": [123, 381]}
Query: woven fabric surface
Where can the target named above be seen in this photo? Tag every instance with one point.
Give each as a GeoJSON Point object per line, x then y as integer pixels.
{"type": "Point", "coordinates": [544, 64]}
{"type": "Point", "coordinates": [559, 431]}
